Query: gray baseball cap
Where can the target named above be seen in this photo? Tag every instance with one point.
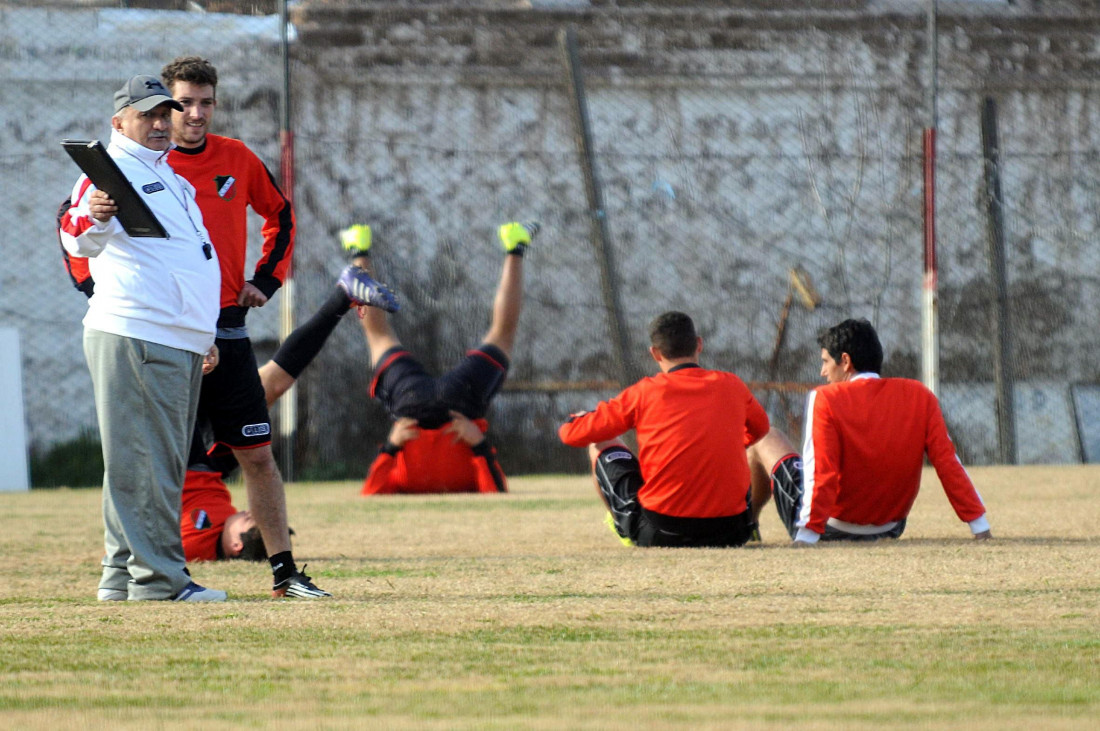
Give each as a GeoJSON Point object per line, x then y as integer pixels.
{"type": "Point", "coordinates": [143, 93]}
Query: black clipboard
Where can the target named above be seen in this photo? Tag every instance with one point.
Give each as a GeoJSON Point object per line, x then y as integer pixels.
{"type": "Point", "coordinates": [133, 211]}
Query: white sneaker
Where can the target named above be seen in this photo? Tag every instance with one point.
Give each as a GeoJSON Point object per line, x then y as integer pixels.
{"type": "Point", "coordinates": [195, 593]}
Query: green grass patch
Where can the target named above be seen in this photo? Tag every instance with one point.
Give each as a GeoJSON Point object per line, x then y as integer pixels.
{"type": "Point", "coordinates": [523, 611]}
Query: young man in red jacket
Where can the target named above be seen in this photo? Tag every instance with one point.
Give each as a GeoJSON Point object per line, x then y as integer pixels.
{"type": "Point", "coordinates": [690, 483]}
{"type": "Point", "coordinates": [437, 442]}
{"type": "Point", "coordinates": [229, 178]}
{"type": "Point", "coordinates": [864, 445]}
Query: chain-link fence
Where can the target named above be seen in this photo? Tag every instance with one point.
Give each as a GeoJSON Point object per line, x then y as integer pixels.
{"type": "Point", "coordinates": [746, 155]}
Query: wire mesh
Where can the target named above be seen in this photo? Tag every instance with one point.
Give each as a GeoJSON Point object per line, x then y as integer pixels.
{"type": "Point", "coordinates": [733, 143]}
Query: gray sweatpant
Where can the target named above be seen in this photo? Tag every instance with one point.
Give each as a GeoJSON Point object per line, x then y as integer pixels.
{"type": "Point", "coordinates": [146, 396]}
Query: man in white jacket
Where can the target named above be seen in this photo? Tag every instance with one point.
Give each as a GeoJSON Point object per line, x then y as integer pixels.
{"type": "Point", "coordinates": [146, 333]}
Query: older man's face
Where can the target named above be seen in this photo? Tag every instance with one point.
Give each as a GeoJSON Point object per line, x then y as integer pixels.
{"type": "Point", "coordinates": [150, 129]}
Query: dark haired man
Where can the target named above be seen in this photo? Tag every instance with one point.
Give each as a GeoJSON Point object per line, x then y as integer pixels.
{"type": "Point", "coordinates": [864, 445]}
{"type": "Point", "coordinates": [689, 484]}
{"type": "Point", "coordinates": [229, 178]}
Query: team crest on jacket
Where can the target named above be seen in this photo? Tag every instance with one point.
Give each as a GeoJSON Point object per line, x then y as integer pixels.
{"type": "Point", "coordinates": [226, 185]}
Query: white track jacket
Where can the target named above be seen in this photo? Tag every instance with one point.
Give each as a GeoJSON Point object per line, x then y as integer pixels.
{"type": "Point", "coordinates": [160, 290]}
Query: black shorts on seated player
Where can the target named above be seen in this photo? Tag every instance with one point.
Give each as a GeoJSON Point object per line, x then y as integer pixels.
{"type": "Point", "coordinates": [619, 476]}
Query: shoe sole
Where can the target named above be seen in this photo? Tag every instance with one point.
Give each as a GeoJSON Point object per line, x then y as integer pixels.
{"type": "Point", "coordinates": [362, 296]}
{"type": "Point", "coordinates": [300, 594]}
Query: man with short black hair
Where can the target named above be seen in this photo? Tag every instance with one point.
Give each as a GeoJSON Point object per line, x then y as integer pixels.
{"type": "Point", "coordinates": [865, 439]}
{"type": "Point", "coordinates": [689, 484]}
{"type": "Point", "coordinates": [212, 527]}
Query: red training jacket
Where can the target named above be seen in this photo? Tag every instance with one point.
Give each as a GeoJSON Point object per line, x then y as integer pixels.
{"type": "Point", "coordinates": [864, 450]}
{"type": "Point", "coordinates": [228, 178]}
{"type": "Point", "coordinates": [205, 507]}
{"type": "Point", "coordinates": [435, 463]}
{"type": "Point", "coordinates": [693, 426]}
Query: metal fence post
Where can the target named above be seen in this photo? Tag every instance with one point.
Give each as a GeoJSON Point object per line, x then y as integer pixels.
{"type": "Point", "coordinates": [598, 224]}
{"type": "Point", "coordinates": [288, 404]}
{"type": "Point", "coordinates": [999, 330]}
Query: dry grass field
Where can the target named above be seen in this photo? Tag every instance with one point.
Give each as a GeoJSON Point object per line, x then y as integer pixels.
{"type": "Point", "coordinates": [523, 611]}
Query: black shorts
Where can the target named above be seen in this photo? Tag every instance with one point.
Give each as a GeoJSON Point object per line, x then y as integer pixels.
{"type": "Point", "coordinates": [406, 389]}
{"type": "Point", "coordinates": [232, 400]}
{"type": "Point", "coordinates": [619, 476]}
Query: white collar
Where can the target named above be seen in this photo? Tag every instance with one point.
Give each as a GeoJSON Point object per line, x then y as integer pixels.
{"type": "Point", "coordinates": [861, 375]}
{"type": "Point", "coordinates": [137, 149]}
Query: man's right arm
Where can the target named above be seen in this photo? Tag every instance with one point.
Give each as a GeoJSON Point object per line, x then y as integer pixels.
{"type": "Point", "coordinates": [610, 419]}
{"type": "Point", "coordinates": [757, 424]}
{"type": "Point", "coordinates": [961, 493]}
{"type": "Point", "coordinates": [90, 223]}
{"type": "Point", "coordinates": [380, 478]}
{"type": "Point", "coordinates": [76, 266]}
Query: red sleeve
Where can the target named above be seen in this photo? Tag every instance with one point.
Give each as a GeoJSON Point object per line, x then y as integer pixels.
{"type": "Point", "coordinates": [378, 480]}
{"type": "Point", "coordinates": [820, 463]}
{"type": "Point", "coordinates": [756, 420]}
{"type": "Point", "coordinates": [75, 219]}
{"type": "Point", "coordinates": [76, 266]}
{"type": "Point", "coordinates": [268, 201]}
{"type": "Point", "coordinates": [609, 420]}
{"type": "Point", "coordinates": [956, 482]}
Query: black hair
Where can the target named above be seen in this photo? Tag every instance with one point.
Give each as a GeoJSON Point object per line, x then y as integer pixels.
{"type": "Point", "coordinates": [859, 340]}
{"type": "Point", "coordinates": [673, 335]}
{"type": "Point", "coordinates": [252, 545]}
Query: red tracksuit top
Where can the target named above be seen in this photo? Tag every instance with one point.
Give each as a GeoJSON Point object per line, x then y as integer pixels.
{"type": "Point", "coordinates": [228, 178]}
{"type": "Point", "coordinates": [206, 505]}
{"type": "Point", "coordinates": [434, 463]}
{"type": "Point", "coordinates": [693, 426]}
{"type": "Point", "coordinates": [864, 449]}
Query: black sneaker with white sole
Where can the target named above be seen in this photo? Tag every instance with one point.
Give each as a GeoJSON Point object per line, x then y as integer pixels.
{"type": "Point", "coordinates": [298, 586]}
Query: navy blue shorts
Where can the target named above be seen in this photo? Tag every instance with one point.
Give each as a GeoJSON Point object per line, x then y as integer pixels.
{"type": "Point", "coordinates": [406, 389]}
{"type": "Point", "coordinates": [232, 399]}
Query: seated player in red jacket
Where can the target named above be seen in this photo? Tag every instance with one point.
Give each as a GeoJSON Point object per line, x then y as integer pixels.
{"type": "Point", "coordinates": [690, 483]}
{"type": "Point", "coordinates": [437, 442]}
{"type": "Point", "coordinates": [863, 452]}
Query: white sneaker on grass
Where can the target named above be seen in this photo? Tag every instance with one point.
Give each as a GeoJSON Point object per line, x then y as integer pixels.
{"type": "Point", "coordinates": [195, 593]}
